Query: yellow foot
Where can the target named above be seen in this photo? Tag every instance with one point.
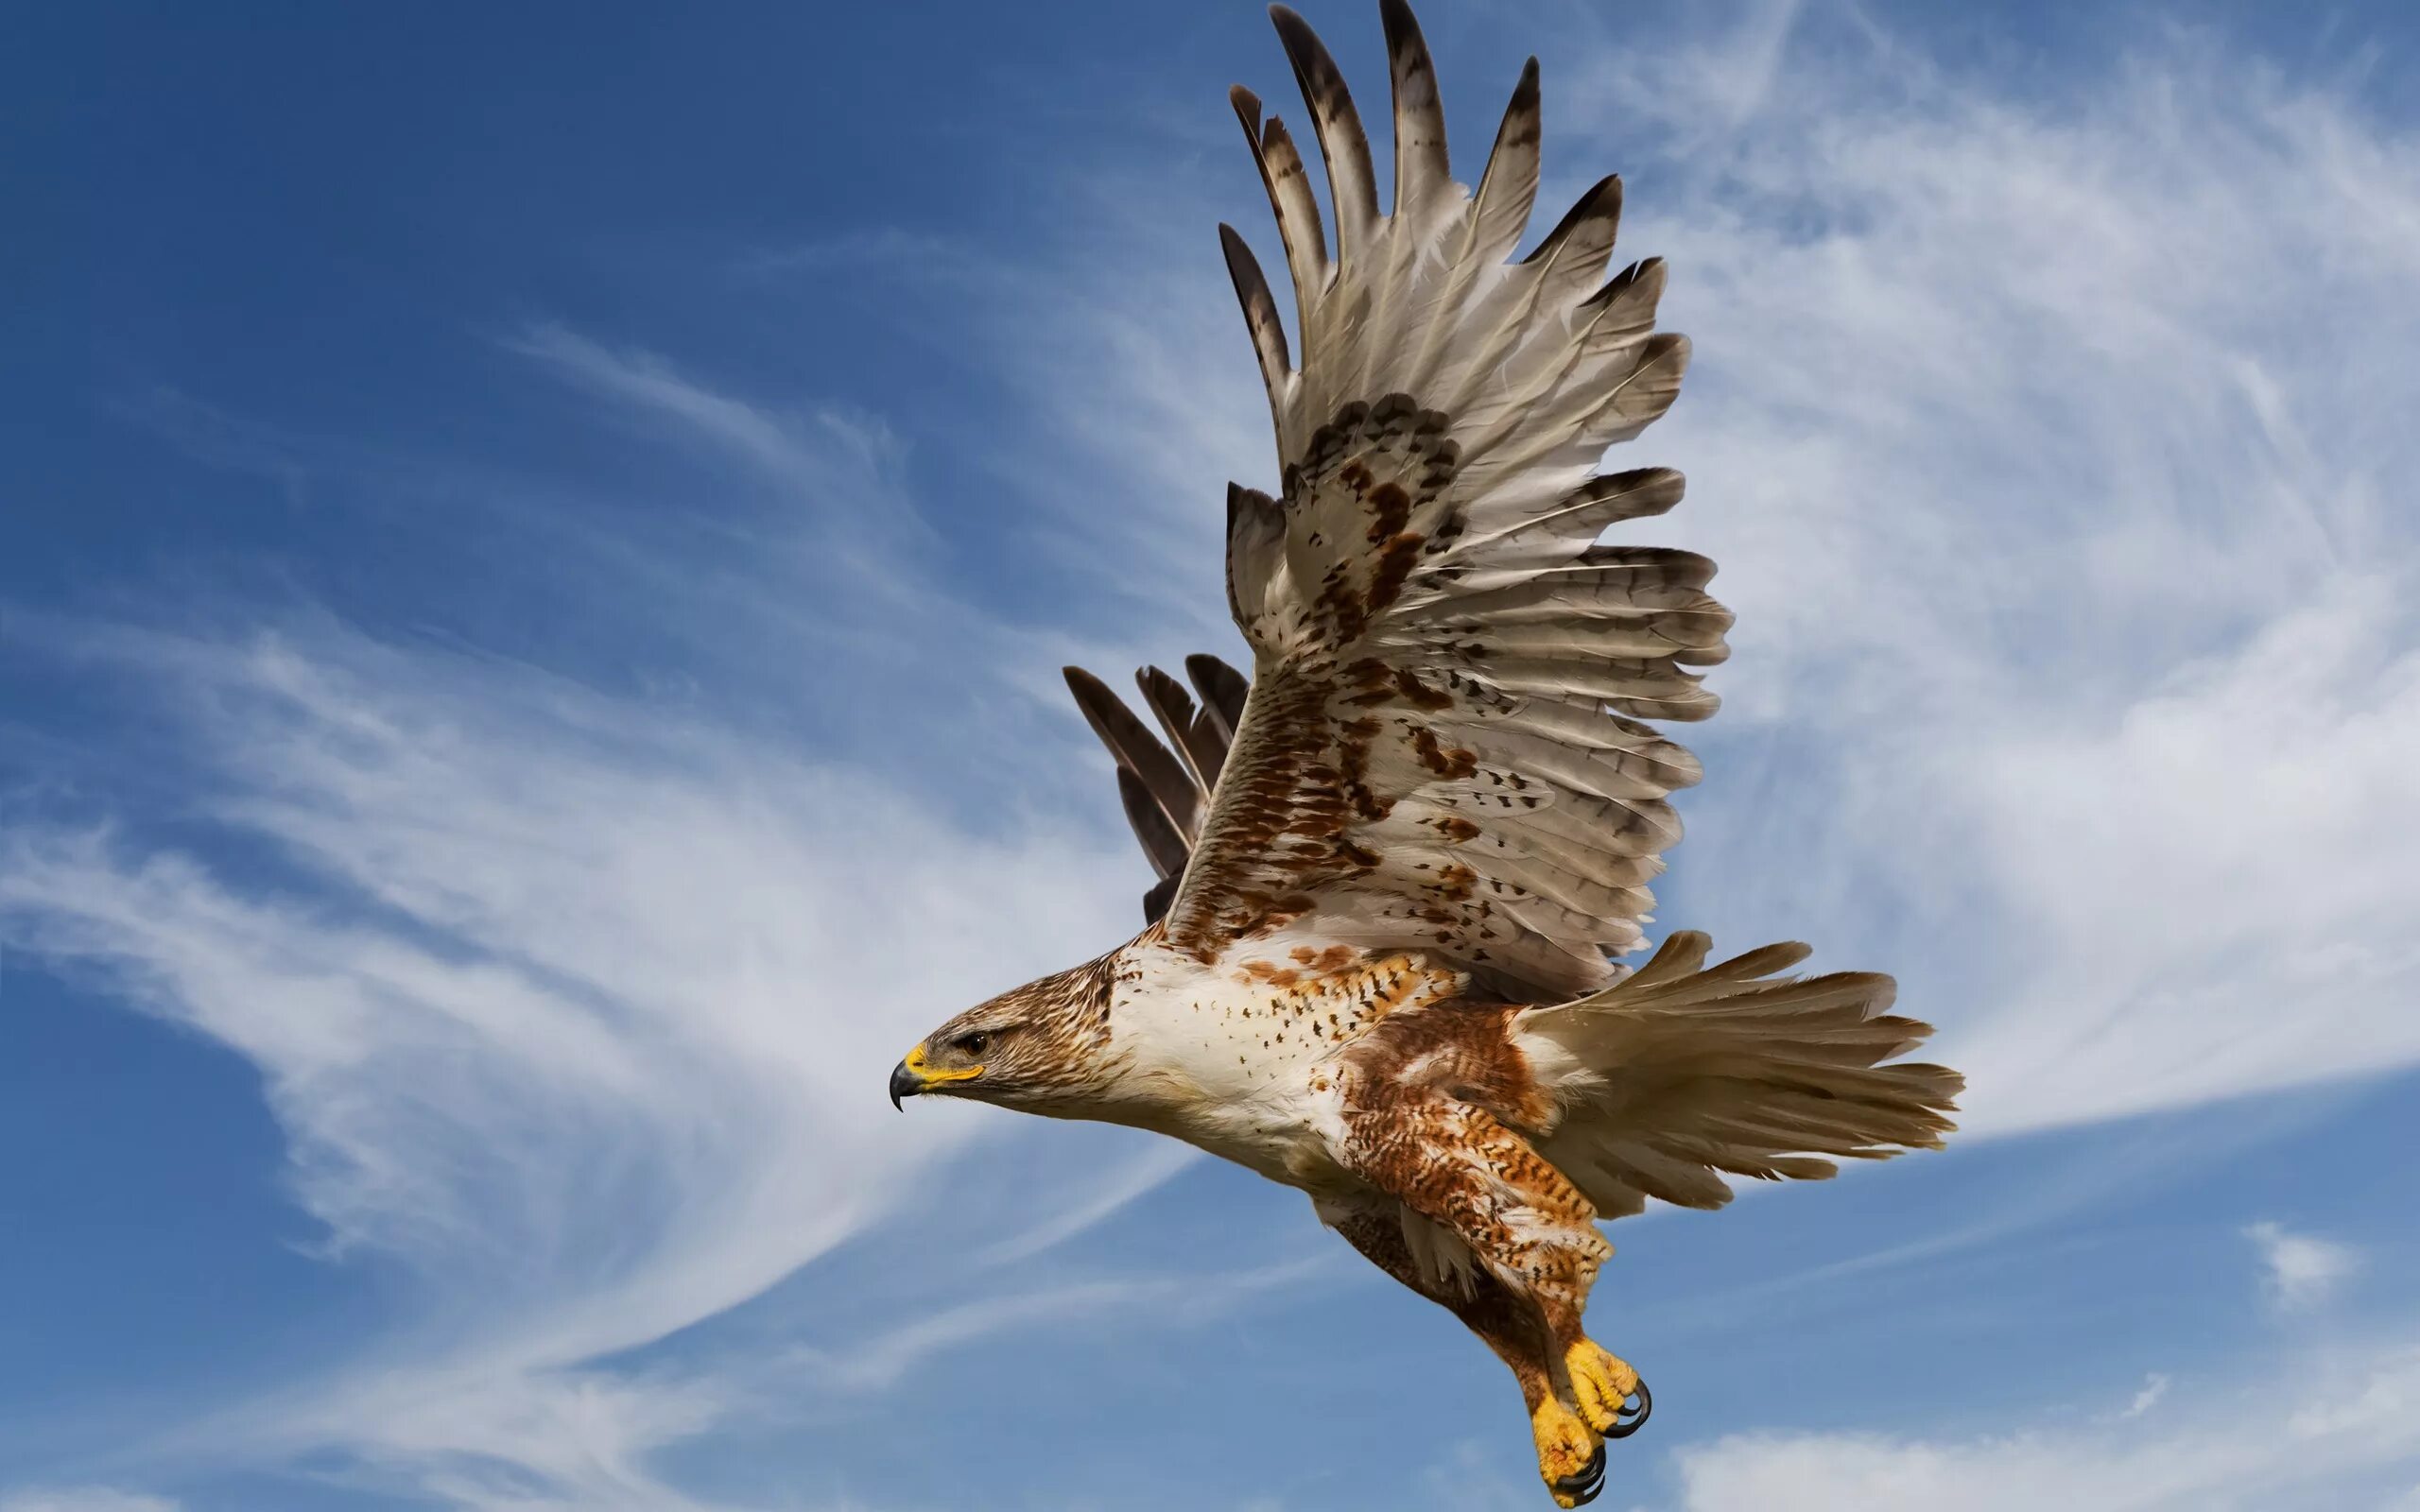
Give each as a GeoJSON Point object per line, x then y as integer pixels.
{"type": "Point", "coordinates": [1571, 1458]}
{"type": "Point", "coordinates": [1602, 1384]}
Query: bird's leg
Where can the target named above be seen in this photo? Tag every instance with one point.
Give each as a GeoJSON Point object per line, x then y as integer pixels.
{"type": "Point", "coordinates": [1528, 1224]}
{"type": "Point", "coordinates": [1571, 1456]}
{"type": "Point", "coordinates": [1424, 1102]}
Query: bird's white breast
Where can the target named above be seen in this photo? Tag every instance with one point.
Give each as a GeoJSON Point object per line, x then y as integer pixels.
{"type": "Point", "coordinates": [1238, 1058]}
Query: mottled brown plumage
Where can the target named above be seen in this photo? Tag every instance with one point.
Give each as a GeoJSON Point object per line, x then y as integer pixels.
{"type": "Point", "coordinates": [1396, 862]}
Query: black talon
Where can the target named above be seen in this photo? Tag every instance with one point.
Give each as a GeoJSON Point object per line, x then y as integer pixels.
{"type": "Point", "coordinates": [1627, 1421]}
{"type": "Point", "coordinates": [1593, 1477]}
{"type": "Point", "coordinates": [1582, 1485]}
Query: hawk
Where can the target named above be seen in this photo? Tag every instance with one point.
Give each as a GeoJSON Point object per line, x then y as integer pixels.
{"type": "Point", "coordinates": [1396, 863]}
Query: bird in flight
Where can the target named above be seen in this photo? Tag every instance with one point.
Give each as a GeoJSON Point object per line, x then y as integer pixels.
{"type": "Point", "coordinates": [1397, 862]}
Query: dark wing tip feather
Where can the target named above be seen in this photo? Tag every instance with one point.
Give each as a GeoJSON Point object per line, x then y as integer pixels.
{"type": "Point", "coordinates": [1342, 143]}
{"type": "Point", "coordinates": [1222, 689]}
{"type": "Point", "coordinates": [1193, 736]}
{"type": "Point", "coordinates": [1647, 273]}
{"type": "Point", "coordinates": [1086, 687]}
{"type": "Point", "coordinates": [1423, 168]}
{"type": "Point", "coordinates": [1155, 903]}
{"type": "Point", "coordinates": [1665, 356]}
{"type": "Point", "coordinates": [1290, 197]}
{"type": "Point", "coordinates": [1163, 787]}
{"type": "Point", "coordinates": [1162, 843]}
{"type": "Point", "coordinates": [1603, 201]}
{"type": "Point", "coordinates": [1260, 308]}
{"type": "Point", "coordinates": [1525, 112]}
{"type": "Point", "coordinates": [1164, 691]}
{"type": "Point", "coordinates": [1509, 185]}
{"type": "Point", "coordinates": [1137, 750]}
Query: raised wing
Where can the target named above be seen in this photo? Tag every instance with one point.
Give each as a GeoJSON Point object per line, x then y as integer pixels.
{"type": "Point", "coordinates": [1443, 746]}
{"type": "Point", "coordinates": [1164, 779]}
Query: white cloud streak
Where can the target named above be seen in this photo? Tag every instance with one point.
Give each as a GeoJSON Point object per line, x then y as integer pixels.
{"type": "Point", "coordinates": [820, 454]}
{"type": "Point", "coordinates": [2154, 1387]}
{"type": "Point", "coordinates": [2301, 1270]}
{"type": "Point", "coordinates": [1145, 1173]}
{"type": "Point", "coordinates": [1166, 1300]}
{"type": "Point", "coordinates": [2347, 1433]}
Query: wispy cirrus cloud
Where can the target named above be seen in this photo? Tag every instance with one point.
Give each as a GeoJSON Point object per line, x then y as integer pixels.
{"type": "Point", "coordinates": [822, 454]}
{"type": "Point", "coordinates": [1163, 1301]}
{"type": "Point", "coordinates": [2315, 1430]}
{"type": "Point", "coordinates": [580, 1015]}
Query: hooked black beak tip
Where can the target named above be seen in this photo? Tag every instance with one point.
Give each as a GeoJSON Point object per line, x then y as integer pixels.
{"type": "Point", "coordinates": [904, 1083]}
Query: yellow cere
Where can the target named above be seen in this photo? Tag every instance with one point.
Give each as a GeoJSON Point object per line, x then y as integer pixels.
{"type": "Point", "coordinates": [930, 1075]}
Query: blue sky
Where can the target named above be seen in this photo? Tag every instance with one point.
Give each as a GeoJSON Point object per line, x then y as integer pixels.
{"type": "Point", "coordinates": [536, 551]}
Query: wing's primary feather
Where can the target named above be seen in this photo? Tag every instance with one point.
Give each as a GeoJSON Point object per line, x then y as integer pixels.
{"type": "Point", "coordinates": [1223, 690]}
{"type": "Point", "coordinates": [1162, 777]}
{"type": "Point", "coordinates": [1422, 169]}
{"type": "Point", "coordinates": [1164, 782]}
{"type": "Point", "coordinates": [1352, 184]}
{"type": "Point", "coordinates": [1443, 746]}
{"type": "Point", "coordinates": [1189, 732]}
{"type": "Point", "coordinates": [1162, 846]}
{"type": "Point", "coordinates": [1290, 198]}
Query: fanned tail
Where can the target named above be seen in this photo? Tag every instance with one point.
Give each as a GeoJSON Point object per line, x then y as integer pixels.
{"type": "Point", "coordinates": [1683, 1074]}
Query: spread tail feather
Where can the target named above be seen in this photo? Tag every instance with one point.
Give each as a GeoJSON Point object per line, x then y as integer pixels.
{"type": "Point", "coordinates": [1685, 1073]}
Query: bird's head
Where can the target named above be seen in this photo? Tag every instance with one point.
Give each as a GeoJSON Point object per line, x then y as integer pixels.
{"type": "Point", "coordinates": [1038, 1048]}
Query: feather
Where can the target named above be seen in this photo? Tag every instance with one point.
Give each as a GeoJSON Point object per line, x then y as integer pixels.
{"type": "Point", "coordinates": [1573, 255]}
{"type": "Point", "coordinates": [1256, 548]}
{"type": "Point", "coordinates": [1646, 390]}
{"type": "Point", "coordinates": [1189, 732]}
{"type": "Point", "coordinates": [1556, 535]}
{"type": "Point", "coordinates": [1442, 749]}
{"type": "Point", "coordinates": [1492, 223]}
{"type": "Point", "coordinates": [1161, 842]}
{"type": "Point", "coordinates": [1162, 780]}
{"type": "Point", "coordinates": [1291, 197]}
{"type": "Point", "coordinates": [1260, 310]}
{"type": "Point", "coordinates": [1681, 954]}
{"type": "Point", "coordinates": [1352, 184]}
{"type": "Point", "coordinates": [1423, 170]}
{"type": "Point", "coordinates": [1162, 777]}
{"type": "Point", "coordinates": [1222, 690]}
{"type": "Point", "coordinates": [1684, 1072]}
{"type": "Point", "coordinates": [1509, 190]}
{"type": "Point", "coordinates": [1155, 903]}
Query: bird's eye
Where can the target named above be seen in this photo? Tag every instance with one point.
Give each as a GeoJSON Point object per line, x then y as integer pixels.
{"type": "Point", "coordinates": [974, 1044]}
